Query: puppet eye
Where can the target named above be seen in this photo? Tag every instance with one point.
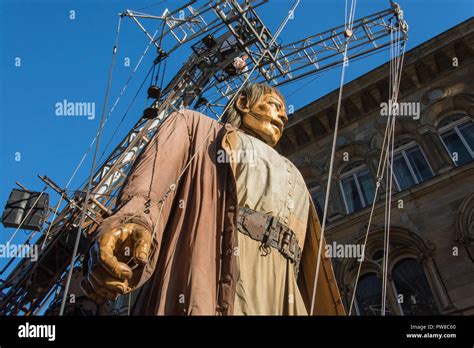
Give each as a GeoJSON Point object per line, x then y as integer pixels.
{"type": "Point", "coordinates": [278, 106]}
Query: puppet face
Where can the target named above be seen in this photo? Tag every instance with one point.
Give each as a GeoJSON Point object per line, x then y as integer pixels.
{"type": "Point", "coordinates": [264, 119]}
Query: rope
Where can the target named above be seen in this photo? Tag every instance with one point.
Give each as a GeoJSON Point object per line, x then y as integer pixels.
{"type": "Point", "coordinates": [152, 5]}
{"type": "Point", "coordinates": [115, 104]}
{"type": "Point", "coordinates": [387, 182]}
{"type": "Point", "coordinates": [89, 186]}
{"type": "Point", "coordinates": [124, 115]}
{"type": "Point", "coordinates": [345, 15]}
{"type": "Point", "coordinates": [397, 53]}
{"type": "Point", "coordinates": [396, 84]}
{"type": "Point", "coordinates": [152, 71]}
{"type": "Point", "coordinates": [380, 170]}
{"type": "Point", "coordinates": [331, 163]}
{"type": "Point", "coordinates": [352, 14]}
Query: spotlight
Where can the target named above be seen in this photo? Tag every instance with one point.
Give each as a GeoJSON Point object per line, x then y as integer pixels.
{"type": "Point", "coordinates": [154, 92]}
{"type": "Point", "coordinates": [150, 113]}
{"type": "Point", "coordinates": [209, 41]}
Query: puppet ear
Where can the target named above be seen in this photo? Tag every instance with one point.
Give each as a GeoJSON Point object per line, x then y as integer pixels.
{"type": "Point", "coordinates": [242, 104]}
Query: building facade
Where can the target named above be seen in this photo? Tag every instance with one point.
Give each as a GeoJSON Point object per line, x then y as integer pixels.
{"type": "Point", "coordinates": [431, 240]}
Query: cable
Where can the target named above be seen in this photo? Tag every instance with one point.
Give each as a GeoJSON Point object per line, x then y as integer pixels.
{"type": "Point", "coordinates": [89, 186]}
{"type": "Point", "coordinates": [152, 5]}
{"type": "Point", "coordinates": [380, 171]}
{"type": "Point", "coordinates": [124, 115]}
{"type": "Point", "coordinates": [115, 104]}
{"type": "Point", "coordinates": [396, 83]}
{"type": "Point", "coordinates": [331, 163]}
{"type": "Point", "coordinates": [395, 72]}
{"type": "Point", "coordinates": [139, 89]}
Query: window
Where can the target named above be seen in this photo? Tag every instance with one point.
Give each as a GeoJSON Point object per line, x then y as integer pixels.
{"type": "Point", "coordinates": [457, 135]}
{"type": "Point", "coordinates": [369, 296]}
{"type": "Point", "coordinates": [318, 199]}
{"type": "Point", "coordinates": [411, 283]}
{"type": "Point", "coordinates": [410, 290]}
{"type": "Point", "coordinates": [410, 166]}
{"type": "Point", "coordinates": [357, 187]}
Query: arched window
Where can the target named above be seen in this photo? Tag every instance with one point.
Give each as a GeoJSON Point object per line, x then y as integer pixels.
{"type": "Point", "coordinates": [457, 134]}
{"type": "Point", "coordinates": [369, 295]}
{"type": "Point", "coordinates": [357, 186]}
{"type": "Point", "coordinates": [413, 287]}
{"type": "Point", "coordinates": [410, 166]}
{"type": "Point", "coordinates": [413, 291]}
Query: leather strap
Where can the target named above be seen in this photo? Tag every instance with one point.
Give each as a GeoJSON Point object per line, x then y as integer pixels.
{"type": "Point", "coordinates": [268, 230]}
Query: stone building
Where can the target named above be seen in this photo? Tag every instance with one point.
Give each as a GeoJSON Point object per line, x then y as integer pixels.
{"type": "Point", "coordinates": [431, 250]}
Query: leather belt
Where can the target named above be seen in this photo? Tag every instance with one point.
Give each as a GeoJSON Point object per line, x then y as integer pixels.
{"type": "Point", "coordinates": [268, 230]}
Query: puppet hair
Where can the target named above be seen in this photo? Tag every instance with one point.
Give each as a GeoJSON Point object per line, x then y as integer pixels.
{"type": "Point", "coordinates": [252, 93]}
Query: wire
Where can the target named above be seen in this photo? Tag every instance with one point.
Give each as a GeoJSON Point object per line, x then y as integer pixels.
{"type": "Point", "coordinates": [89, 186]}
{"type": "Point", "coordinates": [345, 15]}
{"type": "Point", "coordinates": [397, 54]}
{"type": "Point", "coordinates": [124, 116]}
{"type": "Point", "coordinates": [331, 163]}
{"type": "Point", "coordinates": [318, 72]}
{"type": "Point", "coordinates": [396, 84]}
{"type": "Point", "coordinates": [153, 5]}
{"type": "Point", "coordinates": [139, 89]}
{"type": "Point", "coordinates": [380, 171]}
{"type": "Point", "coordinates": [115, 104]}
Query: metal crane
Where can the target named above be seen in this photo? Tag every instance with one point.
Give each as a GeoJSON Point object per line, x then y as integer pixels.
{"type": "Point", "coordinates": [218, 32]}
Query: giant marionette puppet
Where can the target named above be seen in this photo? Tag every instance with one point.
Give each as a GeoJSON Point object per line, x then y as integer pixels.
{"type": "Point", "coordinates": [213, 221]}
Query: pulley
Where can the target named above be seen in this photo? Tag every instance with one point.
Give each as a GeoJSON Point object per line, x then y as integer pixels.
{"type": "Point", "coordinates": [154, 92]}
{"type": "Point", "coordinates": [150, 113]}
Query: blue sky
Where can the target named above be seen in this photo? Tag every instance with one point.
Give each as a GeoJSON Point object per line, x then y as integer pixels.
{"type": "Point", "coordinates": [63, 58]}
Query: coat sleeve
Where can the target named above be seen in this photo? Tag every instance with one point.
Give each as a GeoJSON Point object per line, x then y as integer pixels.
{"type": "Point", "coordinates": [156, 168]}
{"type": "Point", "coordinates": [328, 299]}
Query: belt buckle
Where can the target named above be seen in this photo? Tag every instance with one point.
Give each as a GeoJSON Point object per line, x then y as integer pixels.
{"type": "Point", "coordinates": [272, 233]}
{"type": "Point", "coordinates": [254, 224]}
{"type": "Point", "coordinates": [287, 243]}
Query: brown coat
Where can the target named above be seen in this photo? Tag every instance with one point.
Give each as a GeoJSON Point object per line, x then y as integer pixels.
{"type": "Point", "coordinates": [192, 270]}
